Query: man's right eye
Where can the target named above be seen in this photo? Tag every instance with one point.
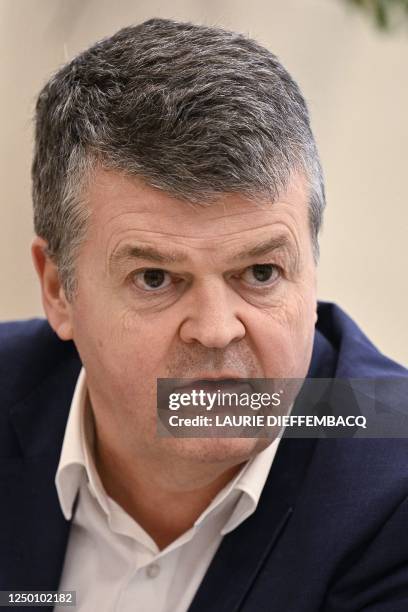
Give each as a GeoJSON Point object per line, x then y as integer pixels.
{"type": "Point", "coordinates": [151, 279]}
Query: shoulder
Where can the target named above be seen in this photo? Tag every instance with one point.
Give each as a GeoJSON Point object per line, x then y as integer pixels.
{"type": "Point", "coordinates": [368, 474]}
{"type": "Point", "coordinates": [371, 470]}
{"type": "Point", "coordinates": [29, 351]}
{"type": "Point", "coordinates": [356, 354]}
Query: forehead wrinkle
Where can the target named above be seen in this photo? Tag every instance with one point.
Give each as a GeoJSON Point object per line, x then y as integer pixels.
{"type": "Point", "coordinates": [278, 227]}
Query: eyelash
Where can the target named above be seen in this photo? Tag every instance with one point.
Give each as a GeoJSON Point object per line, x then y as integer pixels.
{"type": "Point", "coordinates": [159, 291]}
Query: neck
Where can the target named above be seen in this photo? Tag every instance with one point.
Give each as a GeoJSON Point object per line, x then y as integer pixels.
{"type": "Point", "coordinates": [164, 509]}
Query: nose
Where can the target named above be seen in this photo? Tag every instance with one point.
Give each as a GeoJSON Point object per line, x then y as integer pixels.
{"type": "Point", "coordinates": [213, 320]}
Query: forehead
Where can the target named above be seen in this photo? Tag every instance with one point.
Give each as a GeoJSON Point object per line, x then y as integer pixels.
{"type": "Point", "coordinates": [124, 207]}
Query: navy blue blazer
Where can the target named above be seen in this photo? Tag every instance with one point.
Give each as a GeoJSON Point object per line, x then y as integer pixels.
{"type": "Point", "coordinates": [330, 532]}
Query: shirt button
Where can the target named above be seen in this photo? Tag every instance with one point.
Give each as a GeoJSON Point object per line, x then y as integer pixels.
{"type": "Point", "coordinates": [153, 570]}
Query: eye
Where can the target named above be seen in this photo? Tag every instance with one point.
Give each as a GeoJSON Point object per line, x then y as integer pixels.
{"type": "Point", "coordinates": [151, 279]}
{"type": "Point", "coordinates": [263, 274]}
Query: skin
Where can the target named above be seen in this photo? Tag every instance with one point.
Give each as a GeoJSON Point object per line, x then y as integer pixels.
{"type": "Point", "coordinates": [210, 315]}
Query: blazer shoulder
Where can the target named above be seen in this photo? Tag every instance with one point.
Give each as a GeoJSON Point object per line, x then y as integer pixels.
{"type": "Point", "coordinates": [357, 355]}
{"type": "Point", "coordinates": [29, 351]}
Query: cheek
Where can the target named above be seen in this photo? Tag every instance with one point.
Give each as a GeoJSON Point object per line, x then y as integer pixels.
{"type": "Point", "coordinates": [286, 338]}
{"type": "Point", "coordinates": [123, 352]}
{"type": "Point", "coordinates": [145, 340]}
{"type": "Point", "coordinates": [122, 357]}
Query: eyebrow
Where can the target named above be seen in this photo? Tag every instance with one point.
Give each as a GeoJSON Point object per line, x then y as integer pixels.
{"type": "Point", "coordinates": [149, 253]}
{"type": "Point", "coordinates": [280, 242]}
{"type": "Point", "coordinates": [130, 252]}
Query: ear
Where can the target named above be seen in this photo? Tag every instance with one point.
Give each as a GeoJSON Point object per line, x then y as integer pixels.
{"type": "Point", "coordinates": [56, 306]}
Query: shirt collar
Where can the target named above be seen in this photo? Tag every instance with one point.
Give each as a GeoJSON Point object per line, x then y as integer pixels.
{"type": "Point", "coordinates": [76, 455]}
{"type": "Point", "coordinates": [76, 461]}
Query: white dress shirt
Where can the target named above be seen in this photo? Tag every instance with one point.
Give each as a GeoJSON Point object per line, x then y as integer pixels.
{"type": "Point", "coordinates": [111, 561]}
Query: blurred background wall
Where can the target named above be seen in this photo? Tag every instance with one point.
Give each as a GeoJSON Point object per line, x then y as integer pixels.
{"type": "Point", "coordinates": [355, 80]}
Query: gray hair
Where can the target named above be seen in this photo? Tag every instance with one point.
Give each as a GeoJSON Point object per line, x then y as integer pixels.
{"type": "Point", "coordinates": [194, 111]}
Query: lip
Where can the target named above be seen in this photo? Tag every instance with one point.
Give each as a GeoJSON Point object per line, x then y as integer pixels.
{"type": "Point", "coordinates": [208, 378]}
{"type": "Point", "coordinates": [211, 385]}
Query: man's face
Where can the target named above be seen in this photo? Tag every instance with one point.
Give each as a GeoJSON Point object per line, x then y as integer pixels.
{"type": "Point", "coordinates": [196, 304]}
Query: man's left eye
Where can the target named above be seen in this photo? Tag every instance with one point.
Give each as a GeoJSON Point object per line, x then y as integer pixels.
{"type": "Point", "coordinates": [151, 279]}
{"type": "Point", "coordinates": [264, 274]}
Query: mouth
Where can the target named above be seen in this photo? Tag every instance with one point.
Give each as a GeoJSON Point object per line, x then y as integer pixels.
{"type": "Point", "coordinates": [212, 385]}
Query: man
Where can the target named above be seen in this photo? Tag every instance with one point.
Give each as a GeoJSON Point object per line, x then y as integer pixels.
{"type": "Point", "coordinates": [178, 198]}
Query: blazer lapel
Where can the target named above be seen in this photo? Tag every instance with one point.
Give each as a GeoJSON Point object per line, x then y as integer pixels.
{"type": "Point", "coordinates": [243, 552]}
{"type": "Point", "coordinates": [34, 532]}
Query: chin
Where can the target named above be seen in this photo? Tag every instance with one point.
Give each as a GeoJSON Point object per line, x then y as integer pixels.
{"type": "Point", "coordinates": [230, 451]}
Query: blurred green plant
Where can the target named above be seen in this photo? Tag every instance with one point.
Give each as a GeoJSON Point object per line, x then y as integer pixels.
{"type": "Point", "coordinates": [387, 14]}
